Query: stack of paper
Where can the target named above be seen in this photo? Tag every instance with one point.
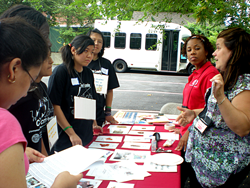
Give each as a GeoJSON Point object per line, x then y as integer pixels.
{"type": "Point", "coordinates": [120, 171]}
{"type": "Point", "coordinates": [74, 159]}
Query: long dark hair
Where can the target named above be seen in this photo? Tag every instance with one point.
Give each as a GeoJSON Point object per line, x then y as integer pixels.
{"type": "Point", "coordinates": [19, 39]}
{"type": "Point", "coordinates": [237, 40]}
{"type": "Point", "coordinates": [100, 54]}
{"type": "Point", "coordinates": [32, 16]}
{"type": "Point", "coordinates": [80, 42]}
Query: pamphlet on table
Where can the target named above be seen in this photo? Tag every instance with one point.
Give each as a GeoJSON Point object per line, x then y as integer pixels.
{"type": "Point", "coordinates": [74, 159]}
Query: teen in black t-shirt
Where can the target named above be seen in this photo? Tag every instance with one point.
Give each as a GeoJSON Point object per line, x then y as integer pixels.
{"type": "Point", "coordinates": [100, 65]}
{"type": "Point", "coordinates": [73, 78]}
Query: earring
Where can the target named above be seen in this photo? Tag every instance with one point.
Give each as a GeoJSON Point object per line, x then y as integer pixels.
{"type": "Point", "coordinates": [11, 81]}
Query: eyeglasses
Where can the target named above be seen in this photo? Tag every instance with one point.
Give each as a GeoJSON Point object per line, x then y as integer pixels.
{"type": "Point", "coordinates": [198, 37]}
{"type": "Point", "coordinates": [33, 85]}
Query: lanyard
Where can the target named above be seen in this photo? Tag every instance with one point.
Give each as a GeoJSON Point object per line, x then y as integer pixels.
{"type": "Point", "coordinates": [193, 87]}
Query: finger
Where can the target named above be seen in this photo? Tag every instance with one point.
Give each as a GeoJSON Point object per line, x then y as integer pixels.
{"type": "Point", "coordinates": [181, 109]}
{"type": "Point", "coordinates": [79, 176]}
{"type": "Point", "coordinates": [38, 154]}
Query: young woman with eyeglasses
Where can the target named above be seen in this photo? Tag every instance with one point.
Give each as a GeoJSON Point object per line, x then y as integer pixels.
{"type": "Point", "coordinates": [18, 68]}
{"type": "Point", "coordinates": [35, 110]}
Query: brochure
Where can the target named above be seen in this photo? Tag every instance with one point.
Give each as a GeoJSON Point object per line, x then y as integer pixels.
{"type": "Point", "coordinates": [103, 145]}
{"type": "Point", "coordinates": [130, 145]}
{"type": "Point", "coordinates": [125, 117]}
{"type": "Point", "coordinates": [109, 138]}
{"type": "Point", "coordinates": [136, 139]}
{"type": "Point", "coordinates": [143, 128]}
{"type": "Point", "coordinates": [120, 185]}
{"type": "Point", "coordinates": [89, 182]}
{"type": "Point", "coordinates": [135, 156]}
{"type": "Point", "coordinates": [74, 159]}
{"type": "Point", "coordinates": [120, 171]}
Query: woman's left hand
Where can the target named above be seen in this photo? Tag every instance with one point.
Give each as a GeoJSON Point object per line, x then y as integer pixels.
{"type": "Point", "coordinates": [218, 89]}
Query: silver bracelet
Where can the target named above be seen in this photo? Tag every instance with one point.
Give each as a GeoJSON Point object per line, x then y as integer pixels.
{"type": "Point", "coordinates": [222, 101]}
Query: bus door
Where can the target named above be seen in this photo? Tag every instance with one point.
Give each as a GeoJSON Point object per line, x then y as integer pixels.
{"type": "Point", "coordinates": [169, 50]}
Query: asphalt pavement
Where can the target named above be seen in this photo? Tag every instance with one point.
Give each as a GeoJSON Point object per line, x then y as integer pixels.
{"type": "Point", "coordinates": [146, 91]}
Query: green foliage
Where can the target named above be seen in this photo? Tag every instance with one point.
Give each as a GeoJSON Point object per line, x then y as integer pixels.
{"type": "Point", "coordinates": [5, 4]}
{"type": "Point", "coordinates": [209, 31]}
{"type": "Point", "coordinates": [210, 14]}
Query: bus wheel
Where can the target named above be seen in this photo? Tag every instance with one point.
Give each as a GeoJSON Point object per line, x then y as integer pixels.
{"type": "Point", "coordinates": [120, 66]}
{"type": "Point", "coordinates": [190, 69]}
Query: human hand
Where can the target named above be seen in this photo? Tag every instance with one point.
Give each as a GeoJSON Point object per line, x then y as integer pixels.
{"type": "Point", "coordinates": [97, 130]}
{"type": "Point", "coordinates": [34, 155]}
{"type": "Point", "coordinates": [111, 120]}
{"type": "Point", "coordinates": [175, 130]}
{"type": "Point", "coordinates": [218, 90]}
{"type": "Point", "coordinates": [66, 180]}
{"type": "Point", "coordinates": [183, 142]}
{"type": "Point", "coordinates": [75, 139]}
{"type": "Point", "coordinates": [185, 117]}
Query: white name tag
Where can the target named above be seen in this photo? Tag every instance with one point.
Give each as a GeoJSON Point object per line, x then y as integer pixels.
{"type": "Point", "coordinates": [101, 83]}
{"type": "Point", "coordinates": [74, 81]}
{"type": "Point", "coordinates": [201, 126]}
{"type": "Point", "coordinates": [52, 132]}
{"type": "Point", "coordinates": [105, 71]}
{"type": "Point", "coordinates": [84, 108]}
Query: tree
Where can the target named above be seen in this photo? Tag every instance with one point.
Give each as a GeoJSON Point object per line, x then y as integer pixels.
{"type": "Point", "coordinates": [5, 4]}
{"type": "Point", "coordinates": [215, 12]}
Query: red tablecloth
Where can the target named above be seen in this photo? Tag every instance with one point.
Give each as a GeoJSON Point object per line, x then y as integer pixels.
{"type": "Point", "coordinates": [157, 179]}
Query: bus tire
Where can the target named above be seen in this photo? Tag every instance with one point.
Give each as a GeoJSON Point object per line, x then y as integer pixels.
{"type": "Point", "coordinates": [190, 69]}
{"type": "Point", "coordinates": [120, 66]}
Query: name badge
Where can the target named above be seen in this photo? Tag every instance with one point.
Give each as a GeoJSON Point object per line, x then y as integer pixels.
{"type": "Point", "coordinates": [84, 108]}
{"type": "Point", "coordinates": [101, 83]}
{"type": "Point", "coordinates": [75, 82]}
{"type": "Point", "coordinates": [105, 71]}
{"type": "Point", "coordinates": [52, 132]}
{"type": "Point", "coordinates": [201, 126]}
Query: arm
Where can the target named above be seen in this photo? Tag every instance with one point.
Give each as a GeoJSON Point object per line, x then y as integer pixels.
{"type": "Point", "coordinates": [183, 142]}
{"type": "Point", "coordinates": [63, 123]}
{"type": "Point", "coordinates": [109, 100]}
{"type": "Point", "coordinates": [12, 167]}
{"type": "Point", "coordinates": [236, 114]}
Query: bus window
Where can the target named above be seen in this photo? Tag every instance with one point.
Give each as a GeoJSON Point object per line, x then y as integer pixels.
{"type": "Point", "coordinates": [120, 40]}
{"type": "Point", "coordinates": [151, 40]}
{"type": "Point", "coordinates": [106, 36]}
{"type": "Point", "coordinates": [135, 41]}
{"type": "Point", "coordinates": [183, 58]}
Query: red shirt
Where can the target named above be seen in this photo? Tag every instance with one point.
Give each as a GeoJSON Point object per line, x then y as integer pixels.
{"type": "Point", "coordinates": [196, 88]}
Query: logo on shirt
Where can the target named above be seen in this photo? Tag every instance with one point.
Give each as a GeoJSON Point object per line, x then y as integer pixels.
{"type": "Point", "coordinates": [194, 83]}
{"type": "Point", "coordinates": [35, 138]}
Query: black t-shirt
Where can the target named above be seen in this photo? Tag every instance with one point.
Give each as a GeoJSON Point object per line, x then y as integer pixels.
{"type": "Point", "coordinates": [33, 113]}
{"type": "Point", "coordinates": [107, 69]}
{"type": "Point", "coordinates": [61, 91]}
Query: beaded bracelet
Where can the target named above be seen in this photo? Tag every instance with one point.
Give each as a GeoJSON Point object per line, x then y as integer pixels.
{"type": "Point", "coordinates": [67, 128]}
{"type": "Point", "coordinates": [222, 101]}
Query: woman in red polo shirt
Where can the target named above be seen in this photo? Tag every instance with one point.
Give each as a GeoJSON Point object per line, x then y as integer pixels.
{"type": "Point", "coordinates": [199, 51]}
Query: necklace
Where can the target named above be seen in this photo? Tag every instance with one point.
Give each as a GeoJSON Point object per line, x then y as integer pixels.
{"type": "Point", "coordinates": [79, 76]}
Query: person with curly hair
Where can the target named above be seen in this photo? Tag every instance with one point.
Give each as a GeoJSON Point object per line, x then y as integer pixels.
{"type": "Point", "coordinates": [199, 51]}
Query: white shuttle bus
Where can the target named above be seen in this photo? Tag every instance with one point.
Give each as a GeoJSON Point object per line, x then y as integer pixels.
{"type": "Point", "coordinates": [147, 45]}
